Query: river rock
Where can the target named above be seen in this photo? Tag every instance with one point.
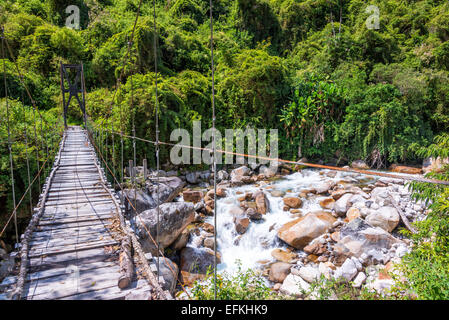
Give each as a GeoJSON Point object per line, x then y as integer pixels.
{"type": "Point", "coordinates": [316, 248]}
{"type": "Point", "coordinates": [327, 203]}
{"type": "Point", "coordinates": [342, 205]}
{"type": "Point", "coordinates": [194, 260]}
{"type": "Point", "coordinates": [292, 202]}
{"type": "Point", "coordinates": [262, 205]}
{"type": "Point", "coordinates": [221, 193]}
{"type": "Point", "coordinates": [169, 271]}
{"type": "Point", "coordinates": [241, 224]}
{"type": "Point", "coordinates": [237, 175]}
{"type": "Point", "coordinates": [193, 177]}
{"type": "Point", "coordinates": [138, 199]}
{"type": "Point", "coordinates": [174, 217]}
{"type": "Point", "coordinates": [347, 271]}
{"type": "Point", "coordinates": [352, 214]}
{"type": "Point", "coordinates": [359, 280]}
{"type": "Point", "coordinates": [386, 217]}
{"type": "Point", "coordinates": [299, 232]}
{"type": "Point", "coordinates": [252, 214]}
{"type": "Point", "coordinates": [283, 255]}
{"type": "Point", "coordinates": [358, 237]}
{"type": "Point", "coordinates": [222, 175]}
{"type": "Point", "coordinates": [294, 285]}
{"type": "Point", "coordinates": [235, 211]}
{"type": "Point", "coordinates": [277, 193]}
{"type": "Point", "coordinates": [268, 172]}
{"type": "Point", "coordinates": [279, 271]}
{"type": "Point", "coordinates": [309, 273]}
{"type": "Point", "coordinates": [337, 194]}
{"type": "Point", "coordinates": [324, 187]}
{"type": "Point", "coordinates": [169, 188]}
{"type": "Point", "coordinates": [182, 240]}
{"type": "Point", "coordinates": [192, 196]}
{"type": "Point", "coordinates": [359, 164]}
{"type": "Point", "coordinates": [6, 265]}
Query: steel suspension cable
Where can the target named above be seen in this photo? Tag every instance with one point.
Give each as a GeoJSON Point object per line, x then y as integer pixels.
{"type": "Point", "coordinates": [9, 137]}
{"type": "Point", "coordinates": [214, 163]}
{"type": "Point", "coordinates": [26, 152]}
{"type": "Point", "coordinates": [155, 35]}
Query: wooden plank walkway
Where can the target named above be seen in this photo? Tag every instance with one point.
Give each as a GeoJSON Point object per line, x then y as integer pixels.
{"type": "Point", "coordinates": [73, 251]}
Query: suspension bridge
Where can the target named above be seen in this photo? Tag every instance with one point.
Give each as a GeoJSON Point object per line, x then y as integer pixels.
{"type": "Point", "coordinates": [78, 244]}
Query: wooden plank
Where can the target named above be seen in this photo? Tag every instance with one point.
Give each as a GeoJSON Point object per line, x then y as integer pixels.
{"type": "Point", "coordinates": [111, 293]}
{"type": "Point", "coordinates": [74, 217]}
{"type": "Point", "coordinates": [64, 259]}
{"type": "Point", "coordinates": [74, 225]}
{"type": "Point", "coordinates": [70, 248]}
{"type": "Point", "coordinates": [66, 284]}
{"type": "Point", "coordinates": [86, 207]}
{"type": "Point", "coordinates": [57, 243]}
{"type": "Point", "coordinates": [49, 273]}
{"type": "Point", "coordinates": [81, 201]}
{"type": "Point", "coordinates": [100, 230]}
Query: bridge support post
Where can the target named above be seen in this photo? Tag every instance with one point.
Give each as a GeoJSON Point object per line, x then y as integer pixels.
{"type": "Point", "coordinates": [76, 85]}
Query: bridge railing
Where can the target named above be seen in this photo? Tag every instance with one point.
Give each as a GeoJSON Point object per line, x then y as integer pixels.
{"type": "Point", "coordinates": [29, 140]}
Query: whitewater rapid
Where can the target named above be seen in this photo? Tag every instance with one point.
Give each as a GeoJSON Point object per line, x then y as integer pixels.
{"type": "Point", "coordinates": [254, 247]}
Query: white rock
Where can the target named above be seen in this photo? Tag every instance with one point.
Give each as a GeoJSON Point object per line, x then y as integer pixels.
{"type": "Point", "coordinates": [342, 205]}
{"type": "Point", "coordinates": [325, 270]}
{"type": "Point", "coordinates": [401, 251]}
{"type": "Point", "coordinates": [386, 217]}
{"type": "Point", "coordinates": [357, 263]}
{"type": "Point", "coordinates": [309, 273]}
{"type": "Point", "coordinates": [358, 281]}
{"type": "Point", "coordinates": [294, 285]}
{"type": "Point", "coordinates": [348, 270]}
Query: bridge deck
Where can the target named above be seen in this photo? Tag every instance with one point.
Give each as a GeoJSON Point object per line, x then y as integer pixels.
{"type": "Point", "coordinates": [74, 249]}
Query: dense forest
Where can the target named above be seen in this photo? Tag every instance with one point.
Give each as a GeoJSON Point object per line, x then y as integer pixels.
{"type": "Point", "coordinates": [337, 88]}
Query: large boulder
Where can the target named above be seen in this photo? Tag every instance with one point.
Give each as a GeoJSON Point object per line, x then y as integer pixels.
{"type": "Point", "coordinates": [386, 217]}
{"type": "Point", "coordinates": [138, 199]}
{"type": "Point", "coordinates": [169, 188]}
{"type": "Point", "coordinates": [279, 271]}
{"type": "Point", "coordinates": [197, 261]}
{"type": "Point", "coordinates": [240, 175]}
{"type": "Point", "coordinates": [164, 191]}
{"type": "Point", "coordinates": [299, 232]}
{"type": "Point", "coordinates": [173, 219]}
{"type": "Point", "coordinates": [169, 271]}
{"type": "Point", "coordinates": [358, 237]}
